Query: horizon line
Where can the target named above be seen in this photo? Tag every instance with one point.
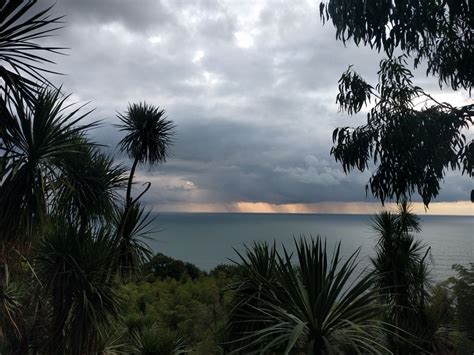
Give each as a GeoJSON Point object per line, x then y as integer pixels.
{"type": "Point", "coordinates": [453, 208]}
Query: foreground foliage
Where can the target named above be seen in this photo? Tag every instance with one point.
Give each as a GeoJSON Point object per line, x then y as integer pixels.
{"type": "Point", "coordinates": [314, 306]}
{"type": "Point", "coordinates": [75, 270]}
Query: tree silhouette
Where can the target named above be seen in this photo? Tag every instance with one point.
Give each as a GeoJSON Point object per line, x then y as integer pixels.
{"type": "Point", "coordinates": [411, 148]}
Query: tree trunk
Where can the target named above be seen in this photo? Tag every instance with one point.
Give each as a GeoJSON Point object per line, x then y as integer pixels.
{"type": "Point", "coordinates": [128, 198]}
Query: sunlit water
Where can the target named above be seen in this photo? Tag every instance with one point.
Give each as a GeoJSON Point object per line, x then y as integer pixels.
{"type": "Point", "coordinates": [208, 239]}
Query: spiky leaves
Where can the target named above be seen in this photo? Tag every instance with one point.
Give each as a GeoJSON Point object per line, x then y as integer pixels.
{"type": "Point", "coordinates": [152, 340]}
{"type": "Point", "coordinates": [314, 307]}
{"type": "Point", "coordinates": [410, 149]}
{"type": "Point", "coordinates": [86, 191]}
{"type": "Point", "coordinates": [38, 144]}
{"type": "Point", "coordinates": [149, 135]}
{"type": "Point", "coordinates": [75, 269]}
{"type": "Point", "coordinates": [402, 274]}
{"type": "Point", "coordinates": [132, 227]}
{"type": "Point", "coordinates": [258, 266]}
{"type": "Point", "coordinates": [21, 56]}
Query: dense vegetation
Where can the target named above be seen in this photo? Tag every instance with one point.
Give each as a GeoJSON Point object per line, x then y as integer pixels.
{"type": "Point", "coordinates": [270, 304]}
{"type": "Point", "coordinates": [77, 278]}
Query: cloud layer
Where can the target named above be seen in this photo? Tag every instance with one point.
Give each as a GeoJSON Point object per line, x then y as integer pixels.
{"type": "Point", "coordinates": [250, 85]}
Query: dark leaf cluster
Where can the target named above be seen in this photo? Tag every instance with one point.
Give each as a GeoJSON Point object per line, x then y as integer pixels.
{"type": "Point", "coordinates": [75, 270]}
{"type": "Point", "coordinates": [411, 148]}
{"type": "Point", "coordinates": [148, 133]}
{"type": "Point", "coordinates": [309, 306]}
{"type": "Point", "coordinates": [439, 32]}
{"type": "Point", "coordinates": [21, 56]}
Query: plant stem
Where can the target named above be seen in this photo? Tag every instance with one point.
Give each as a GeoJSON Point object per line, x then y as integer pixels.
{"type": "Point", "coordinates": [128, 198]}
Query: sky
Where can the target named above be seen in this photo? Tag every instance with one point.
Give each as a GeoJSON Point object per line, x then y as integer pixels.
{"type": "Point", "coordinates": [251, 87]}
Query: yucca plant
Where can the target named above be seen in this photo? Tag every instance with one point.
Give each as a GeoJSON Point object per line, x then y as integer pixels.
{"type": "Point", "coordinates": [75, 269]}
{"type": "Point", "coordinates": [155, 341]}
{"type": "Point", "coordinates": [10, 316]}
{"type": "Point", "coordinates": [149, 135]}
{"type": "Point", "coordinates": [258, 266]}
{"type": "Point", "coordinates": [113, 340]}
{"type": "Point", "coordinates": [22, 54]}
{"type": "Point", "coordinates": [402, 276]}
{"type": "Point", "coordinates": [86, 190]}
{"type": "Point", "coordinates": [132, 226]}
{"type": "Point", "coordinates": [313, 307]}
{"type": "Point", "coordinates": [23, 314]}
{"type": "Point", "coordinates": [39, 144]}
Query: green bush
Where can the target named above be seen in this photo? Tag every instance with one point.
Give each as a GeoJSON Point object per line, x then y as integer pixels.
{"type": "Point", "coordinates": [194, 310]}
{"type": "Point", "coordinates": [162, 267]}
{"type": "Point", "coordinates": [462, 286]}
{"type": "Point", "coordinates": [155, 341]}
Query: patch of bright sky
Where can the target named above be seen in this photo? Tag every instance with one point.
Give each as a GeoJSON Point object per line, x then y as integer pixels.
{"type": "Point", "coordinates": [154, 39]}
{"type": "Point", "coordinates": [205, 78]}
{"type": "Point", "coordinates": [198, 55]}
{"type": "Point", "coordinates": [119, 31]}
{"type": "Point", "coordinates": [247, 18]}
{"type": "Point", "coordinates": [243, 39]}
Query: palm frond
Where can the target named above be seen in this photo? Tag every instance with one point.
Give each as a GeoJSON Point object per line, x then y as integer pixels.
{"type": "Point", "coordinates": [75, 269]}
{"type": "Point", "coordinates": [149, 134]}
{"type": "Point", "coordinates": [39, 143]}
{"type": "Point", "coordinates": [21, 56]}
{"type": "Point", "coordinates": [133, 225]}
{"type": "Point", "coordinates": [86, 189]}
{"type": "Point", "coordinates": [307, 306]}
{"type": "Point", "coordinates": [153, 340]}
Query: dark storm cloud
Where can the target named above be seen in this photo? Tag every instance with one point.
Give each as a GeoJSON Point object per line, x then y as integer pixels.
{"type": "Point", "coordinates": [136, 15]}
{"type": "Point", "coordinates": [251, 86]}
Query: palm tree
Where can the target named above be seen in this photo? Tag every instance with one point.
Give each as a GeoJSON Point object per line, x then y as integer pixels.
{"type": "Point", "coordinates": [86, 190]}
{"type": "Point", "coordinates": [40, 144]}
{"type": "Point", "coordinates": [148, 139]}
{"type": "Point", "coordinates": [20, 52]}
{"type": "Point", "coordinates": [75, 268]}
{"type": "Point", "coordinates": [314, 307]}
{"type": "Point", "coordinates": [402, 272]}
{"type": "Point", "coordinates": [258, 266]}
{"type": "Point", "coordinates": [132, 250]}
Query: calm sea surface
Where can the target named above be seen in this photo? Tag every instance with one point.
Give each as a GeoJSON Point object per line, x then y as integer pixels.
{"type": "Point", "coordinates": [208, 239]}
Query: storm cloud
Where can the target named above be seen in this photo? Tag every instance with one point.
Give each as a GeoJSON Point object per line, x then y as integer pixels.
{"type": "Point", "coordinates": [250, 85]}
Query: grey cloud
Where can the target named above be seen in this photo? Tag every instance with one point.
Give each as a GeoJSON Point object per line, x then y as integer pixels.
{"type": "Point", "coordinates": [254, 124]}
{"type": "Point", "coordinates": [136, 15]}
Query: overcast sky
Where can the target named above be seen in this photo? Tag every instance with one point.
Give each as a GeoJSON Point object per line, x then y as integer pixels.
{"type": "Point", "coordinates": [250, 85]}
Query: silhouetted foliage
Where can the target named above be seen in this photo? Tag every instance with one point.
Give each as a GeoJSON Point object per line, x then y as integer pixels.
{"type": "Point", "coordinates": [161, 267]}
{"type": "Point", "coordinates": [149, 135]}
{"type": "Point", "coordinates": [435, 31]}
{"type": "Point", "coordinates": [87, 187]}
{"type": "Point", "coordinates": [75, 269]}
{"type": "Point", "coordinates": [132, 226]}
{"type": "Point", "coordinates": [40, 144]}
{"type": "Point", "coordinates": [422, 315]}
{"type": "Point", "coordinates": [310, 307]}
{"type": "Point", "coordinates": [21, 52]}
{"type": "Point", "coordinates": [411, 149]}
{"type": "Point", "coordinates": [462, 286]}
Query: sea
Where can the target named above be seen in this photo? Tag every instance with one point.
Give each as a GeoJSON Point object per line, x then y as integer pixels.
{"type": "Point", "coordinates": [210, 239]}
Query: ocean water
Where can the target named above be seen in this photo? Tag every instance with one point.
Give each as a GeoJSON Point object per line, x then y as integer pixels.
{"type": "Point", "coordinates": [209, 239]}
